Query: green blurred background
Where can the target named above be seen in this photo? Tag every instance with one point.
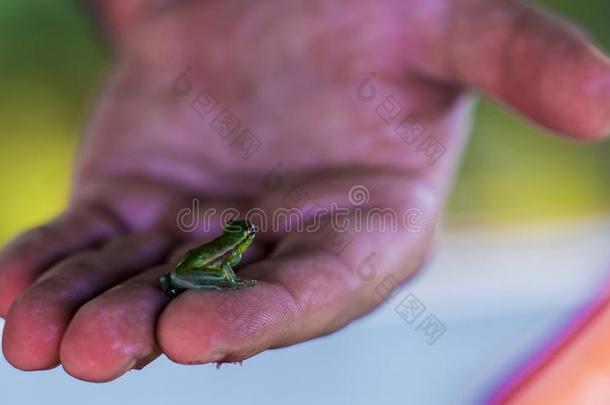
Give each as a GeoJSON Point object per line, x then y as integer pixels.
{"type": "Point", "coordinates": [53, 60]}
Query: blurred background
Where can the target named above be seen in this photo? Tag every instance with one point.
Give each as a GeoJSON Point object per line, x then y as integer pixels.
{"type": "Point", "coordinates": [53, 61]}
{"type": "Point", "coordinates": [525, 246]}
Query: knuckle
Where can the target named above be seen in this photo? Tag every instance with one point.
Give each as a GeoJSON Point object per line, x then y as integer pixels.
{"type": "Point", "coordinates": [89, 261]}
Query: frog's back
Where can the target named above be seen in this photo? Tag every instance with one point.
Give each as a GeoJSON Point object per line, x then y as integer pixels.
{"type": "Point", "coordinates": [214, 251]}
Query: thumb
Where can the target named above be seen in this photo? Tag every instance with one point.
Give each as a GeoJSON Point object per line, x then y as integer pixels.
{"type": "Point", "coordinates": [534, 62]}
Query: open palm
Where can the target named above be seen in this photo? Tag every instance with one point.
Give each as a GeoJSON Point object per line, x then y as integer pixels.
{"type": "Point", "coordinates": [299, 104]}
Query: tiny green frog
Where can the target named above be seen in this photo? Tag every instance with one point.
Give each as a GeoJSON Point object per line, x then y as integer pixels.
{"type": "Point", "coordinates": [210, 266]}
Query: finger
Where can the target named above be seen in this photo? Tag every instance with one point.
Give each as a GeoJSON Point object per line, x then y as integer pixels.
{"type": "Point", "coordinates": [306, 289]}
{"type": "Point", "coordinates": [38, 319]}
{"type": "Point", "coordinates": [115, 332]}
{"type": "Point", "coordinates": [28, 256]}
{"type": "Point", "coordinates": [532, 61]}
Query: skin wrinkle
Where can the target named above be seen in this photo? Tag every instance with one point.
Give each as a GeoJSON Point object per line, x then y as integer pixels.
{"type": "Point", "coordinates": [521, 23]}
{"type": "Point", "coordinates": [305, 302]}
{"type": "Point", "coordinates": [41, 314]}
{"type": "Point", "coordinates": [43, 250]}
{"type": "Point", "coordinates": [459, 13]}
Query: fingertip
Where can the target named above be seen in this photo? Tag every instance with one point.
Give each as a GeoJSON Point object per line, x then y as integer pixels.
{"type": "Point", "coordinates": [85, 351]}
{"type": "Point", "coordinates": [108, 336]}
{"type": "Point", "coordinates": [31, 335]}
{"type": "Point", "coordinates": [188, 338]}
{"type": "Point", "coordinates": [572, 95]}
{"type": "Point", "coordinates": [87, 375]}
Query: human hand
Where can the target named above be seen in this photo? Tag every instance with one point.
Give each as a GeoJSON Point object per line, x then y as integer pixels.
{"type": "Point", "coordinates": [82, 291]}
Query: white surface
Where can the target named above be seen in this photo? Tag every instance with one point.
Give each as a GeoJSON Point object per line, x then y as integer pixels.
{"type": "Point", "coordinates": [498, 293]}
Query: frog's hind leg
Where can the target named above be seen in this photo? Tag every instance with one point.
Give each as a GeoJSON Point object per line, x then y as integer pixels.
{"type": "Point", "coordinates": [233, 281]}
{"type": "Point", "coordinates": [209, 279]}
{"type": "Point", "coordinates": [229, 274]}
